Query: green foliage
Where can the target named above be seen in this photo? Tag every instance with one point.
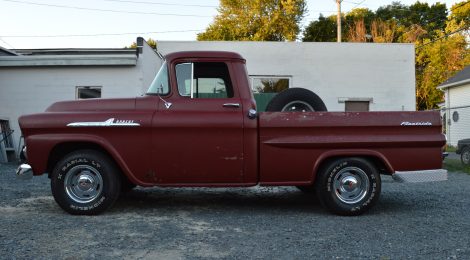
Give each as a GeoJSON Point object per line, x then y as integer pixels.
{"type": "Point", "coordinates": [323, 30]}
{"type": "Point", "coordinates": [435, 63]}
{"type": "Point", "coordinates": [150, 42]}
{"type": "Point", "coordinates": [460, 12]}
{"type": "Point", "coordinates": [256, 20]}
{"type": "Point", "coordinates": [453, 165]}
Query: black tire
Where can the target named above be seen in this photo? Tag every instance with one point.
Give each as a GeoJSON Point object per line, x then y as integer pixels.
{"type": "Point", "coordinates": [348, 186]}
{"type": "Point", "coordinates": [126, 185]}
{"type": "Point", "coordinates": [85, 182]}
{"type": "Point", "coordinates": [465, 156]}
{"type": "Point", "coordinates": [306, 189]}
{"type": "Point", "coordinates": [296, 100]}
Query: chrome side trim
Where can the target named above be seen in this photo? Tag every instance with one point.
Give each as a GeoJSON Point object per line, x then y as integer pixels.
{"type": "Point", "coordinates": [420, 176]}
{"type": "Point", "coordinates": [231, 105]}
{"type": "Point", "coordinates": [24, 172]}
{"type": "Point", "coordinates": [108, 123]}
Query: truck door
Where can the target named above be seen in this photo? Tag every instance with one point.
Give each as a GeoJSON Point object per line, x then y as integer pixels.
{"type": "Point", "coordinates": [198, 130]}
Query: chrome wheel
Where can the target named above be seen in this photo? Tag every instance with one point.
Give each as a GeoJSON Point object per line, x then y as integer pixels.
{"type": "Point", "coordinates": [351, 185]}
{"type": "Point", "coordinates": [83, 183]}
{"type": "Point", "coordinates": [297, 106]}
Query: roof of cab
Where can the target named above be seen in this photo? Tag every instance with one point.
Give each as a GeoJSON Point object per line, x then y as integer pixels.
{"type": "Point", "coordinates": [204, 54]}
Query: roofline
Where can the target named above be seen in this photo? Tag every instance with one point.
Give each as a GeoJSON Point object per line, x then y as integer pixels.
{"type": "Point", "coordinates": [68, 60]}
{"type": "Point", "coordinates": [294, 42]}
{"type": "Point", "coordinates": [8, 51]}
{"type": "Point", "coordinates": [454, 84]}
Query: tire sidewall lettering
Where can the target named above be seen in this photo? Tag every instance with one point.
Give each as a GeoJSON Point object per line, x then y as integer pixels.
{"type": "Point", "coordinates": [66, 167]}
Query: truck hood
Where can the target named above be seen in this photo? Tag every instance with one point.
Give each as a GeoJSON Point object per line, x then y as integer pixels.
{"type": "Point", "coordinates": [93, 105]}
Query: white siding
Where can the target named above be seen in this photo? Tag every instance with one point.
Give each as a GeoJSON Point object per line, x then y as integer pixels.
{"type": "Point", "coordinates": [458, 99]}
{"type": "Point", "coordinates": [384, 73]}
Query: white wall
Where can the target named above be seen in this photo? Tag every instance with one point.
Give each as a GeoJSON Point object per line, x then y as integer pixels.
{"type": "Point", "coordinates": [458, 99]}
{"type": "Point", "coordinates": [383, 72]}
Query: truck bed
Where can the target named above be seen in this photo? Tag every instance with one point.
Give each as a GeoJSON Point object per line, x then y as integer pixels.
{"type": "Point", "coordinates": [293, 145]}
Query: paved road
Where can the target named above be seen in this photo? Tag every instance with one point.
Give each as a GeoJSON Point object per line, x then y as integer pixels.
{"type": "Point", "coordinates": [424, 221]}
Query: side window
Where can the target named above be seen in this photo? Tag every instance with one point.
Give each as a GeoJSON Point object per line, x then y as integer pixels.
{"type": "Point", "coordinates": [160, 83]}
{"type": "Point", "coordinates": [184, 74]}
{"type": "Point", "coordinates": [204, 80]}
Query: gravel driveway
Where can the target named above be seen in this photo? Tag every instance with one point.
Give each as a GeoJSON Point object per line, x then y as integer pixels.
{"type": "Point", "coordinates": [425, 221]}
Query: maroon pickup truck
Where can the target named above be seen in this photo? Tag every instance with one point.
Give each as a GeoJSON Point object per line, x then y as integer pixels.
{"type": "Point", "coordinates": [198, 126]}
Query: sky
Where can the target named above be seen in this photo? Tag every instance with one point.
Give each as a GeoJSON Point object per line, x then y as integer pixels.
{"type": "Point", "coordinates": [45, 24]}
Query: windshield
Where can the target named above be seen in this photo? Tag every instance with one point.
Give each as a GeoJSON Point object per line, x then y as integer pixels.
{"type": "Point", "coordinates": [160, 84]}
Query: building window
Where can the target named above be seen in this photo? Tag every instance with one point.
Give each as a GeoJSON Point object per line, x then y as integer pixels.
{"type": "Point", "coordinates": [85, 92]}
{"type": "Point", "coordinates": [356, 106]}
{"type": "Point", "coordinates": [270, 84]}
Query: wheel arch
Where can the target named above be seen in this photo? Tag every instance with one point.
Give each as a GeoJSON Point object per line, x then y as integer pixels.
{"type": "Point", "coordinates": [379, 160]}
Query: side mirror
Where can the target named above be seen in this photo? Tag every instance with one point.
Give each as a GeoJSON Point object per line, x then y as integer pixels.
{"type": "Point", "coordinates": [252, 114]}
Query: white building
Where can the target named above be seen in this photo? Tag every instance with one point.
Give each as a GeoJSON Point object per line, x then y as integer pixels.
{"type": "Point", "coordinates": [457, 106]}
{"type": "Point", "coordinates": [347, 76]}
{"type": "Point", "coordinates": [364, 76]}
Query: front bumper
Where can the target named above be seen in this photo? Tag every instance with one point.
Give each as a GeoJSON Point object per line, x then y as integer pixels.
{"type": "Point", "coordinates": [24, 172]}
{"type": "Point", "coordinates": [420, 176]}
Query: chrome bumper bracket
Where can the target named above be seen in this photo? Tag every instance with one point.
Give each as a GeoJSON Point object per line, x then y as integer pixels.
{"type": "Point", "coordinates": [24, 172]}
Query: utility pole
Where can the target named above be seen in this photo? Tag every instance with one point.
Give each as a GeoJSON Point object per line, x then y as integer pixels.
{"type": "Point", "coordinates": [338, 20]}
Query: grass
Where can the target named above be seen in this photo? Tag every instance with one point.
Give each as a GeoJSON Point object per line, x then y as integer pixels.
{"type": "Point", "coordinates": [454, 165]}
{"type": "Point", "coordinates": [451, 149]}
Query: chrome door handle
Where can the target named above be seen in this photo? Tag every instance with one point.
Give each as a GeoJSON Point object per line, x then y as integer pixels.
{"type": "Point", "coordinates": [231, 105]}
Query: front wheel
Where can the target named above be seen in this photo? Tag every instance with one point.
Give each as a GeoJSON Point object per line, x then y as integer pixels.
{"type": "Point", "coordinates": [348, 186]}
{"type": "Point", "coordinates": [85, 182]}
{"type": "Point", "coordinates": [465, 156]}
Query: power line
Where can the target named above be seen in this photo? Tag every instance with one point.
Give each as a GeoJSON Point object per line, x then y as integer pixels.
{"type": "Point", "coordinates": [91, 35]}
{"type": "Point", "coordinates": [160, 3]}
{"type": "Point", "coordinates": [445, 36]}
{"type": "Point", "coordinates": [458, 6]}
{"type": "Point", "coordinates": [103, 10]}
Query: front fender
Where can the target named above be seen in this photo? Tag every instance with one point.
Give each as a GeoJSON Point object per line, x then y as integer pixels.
{"type": "Point", "coordinates": [40, 148]}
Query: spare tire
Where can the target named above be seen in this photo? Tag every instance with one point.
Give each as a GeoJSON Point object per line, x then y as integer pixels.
{"type": "Point", "coordinates": [296, 100]}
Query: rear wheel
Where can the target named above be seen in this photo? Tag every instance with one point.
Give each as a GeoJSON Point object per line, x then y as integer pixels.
{"type": "Point", "coordinates": [348, 186]}
{"type": "Point", "coordinates": [85, 182]}
{"type": "Point", "coordinates": [296, 100]}
{"type": "Point", "coordinates": [465, 156]}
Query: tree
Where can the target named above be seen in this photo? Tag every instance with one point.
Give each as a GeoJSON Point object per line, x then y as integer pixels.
{"type": "Point", "coordinates": [323, 30]}
{"type": "Point", "coordinates": [256, 20]}
{"type": "Point", "coordinates": [383, 31]}
{"type": "Point", "coordinates": [359, 15]}
{"type": "Point", "coordinates": [431, 18]}
{"type": "Point", "coordinates": [435, 63]}
{"type": "Point", "coordinates": [151, 42]}
{"type": "Point", "coordinates": [357, 32]}
{"type": "Point", "coordinates": [461, 12]}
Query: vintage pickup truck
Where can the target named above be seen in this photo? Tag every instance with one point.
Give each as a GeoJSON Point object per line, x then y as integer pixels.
{"type": "Point", "coordinates": [198, 126]}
